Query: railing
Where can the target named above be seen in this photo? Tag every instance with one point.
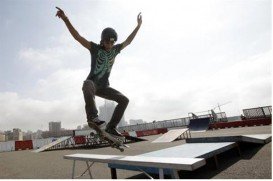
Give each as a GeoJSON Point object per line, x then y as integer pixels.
{"type": "Point", "coordinates": [258, 112]}
{"type": "Point", "coordinates": [178, 122]}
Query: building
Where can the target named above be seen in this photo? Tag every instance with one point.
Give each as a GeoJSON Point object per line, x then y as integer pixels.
{"type": "Point", "coordinates": [8, 135]}
{"type": "Point", "coordinates": [37, 135]}
{"type": "Point", "coordinates": [136, 121]}
{"type": "Point", "coordinates": [2, 137]}
{"type": "Point", "coordinates": [28, 135]}
{"type": "Point", "coordinates": [17, 134]}
{"type": "Point", "coordinates": [106, 111]}
{"type": "Point", "coordinates": [57, 134]}
{"type": "Point", "coordinates": [54, 126]}
{"type": "Point", "coordinates": [85, 127]}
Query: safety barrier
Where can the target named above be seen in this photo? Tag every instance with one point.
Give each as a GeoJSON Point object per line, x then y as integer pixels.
{"type": "Point", "coordinates": [145, 132]}
{"type": "Point", "coordinates": [151, 132]}
{"type": "Point", "coordinates": [258, 112]}
{"type": "Point", "coordinates": [79, 140]}
{"type": "Point", "coordinates": [253, 122]}
{"type": "Point", "coordinates": [23, 145]}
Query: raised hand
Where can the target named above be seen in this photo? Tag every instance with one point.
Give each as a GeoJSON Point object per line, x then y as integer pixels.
{"type": "Point", "coordinates": [139, 19]}
{"type": "Point", "coordinates": [60, 13]}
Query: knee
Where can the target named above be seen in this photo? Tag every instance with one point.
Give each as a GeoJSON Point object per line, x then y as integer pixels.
{"type": "Point", "coordinates": [88, 87]}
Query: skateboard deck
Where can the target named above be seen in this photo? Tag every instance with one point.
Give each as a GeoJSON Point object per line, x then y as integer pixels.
{"type": "Point", "coordinates": [114, 141]}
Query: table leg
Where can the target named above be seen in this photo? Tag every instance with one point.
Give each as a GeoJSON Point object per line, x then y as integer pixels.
{"type": "Point", "coordinates": [161, 173]}
{"type": "Point", "coordinates": [88, 166]}
{"type": "Point", "coordinates": [175, 174]}
{"type": "Point", "coordinates": [113, 173]}
{"type": "Point", "coordinates": [73, 169]}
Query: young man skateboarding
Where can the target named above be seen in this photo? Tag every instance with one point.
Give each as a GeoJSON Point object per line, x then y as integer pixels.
{"type": "Point", "coordinates": [97, 83]}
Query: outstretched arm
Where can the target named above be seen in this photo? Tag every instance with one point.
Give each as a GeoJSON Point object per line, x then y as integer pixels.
{"type": "Point", "coordinates": [133, 34]}
{"type": "Point", "coordinates": [72, 30]}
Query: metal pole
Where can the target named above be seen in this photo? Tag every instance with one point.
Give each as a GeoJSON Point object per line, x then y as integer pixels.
{"type": "Point", "coordinates": [113, 173]}
{"type": "Point", "coordinates": [161, 173]}
{"type": "Point", "coordinates": [175, 174]}
{"type": "Point", "coordinates": [88, 166]}
{"type": "Point", "coordinates": [73, 169]}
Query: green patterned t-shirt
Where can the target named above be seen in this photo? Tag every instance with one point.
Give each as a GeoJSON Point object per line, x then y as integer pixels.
{"type": "Point", "coordinates": [101, 63]}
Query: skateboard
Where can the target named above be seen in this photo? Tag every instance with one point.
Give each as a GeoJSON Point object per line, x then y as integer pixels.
{"type": "Point", "coordinates": [114, 141]}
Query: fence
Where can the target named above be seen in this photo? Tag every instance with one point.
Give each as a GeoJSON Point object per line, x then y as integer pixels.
{"type": "Point", "coordinates": [258, 112]}
{"type": "Point", "coordinates": [178, 122]}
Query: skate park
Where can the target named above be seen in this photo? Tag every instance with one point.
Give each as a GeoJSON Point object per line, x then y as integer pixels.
{"type": "Point", "coordinates": [187, 57]}
{"type": "Point", "coordinates": [237, 152]}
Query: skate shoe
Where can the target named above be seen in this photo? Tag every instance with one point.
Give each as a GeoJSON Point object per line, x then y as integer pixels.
{"type": "Point", "coordinates": [98, 122]}
{"type": "Point", "coordinates": [114, 132]}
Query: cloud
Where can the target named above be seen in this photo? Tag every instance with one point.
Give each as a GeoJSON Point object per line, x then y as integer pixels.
{"type": "Point", "coordinates": [35, 114]}
{"type": "Point", "coordinates": [154, 96]}
{"type": "Point", "coordinates": [55, 57]}
{"type": "Point", "coordinates": [58, 97]}
{"type": "Point", "coordinates": [40, 59]}
{"type": "Point", "coordinates": [62, 84]}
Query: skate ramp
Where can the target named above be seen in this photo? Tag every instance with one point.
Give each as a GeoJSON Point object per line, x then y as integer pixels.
{"type": "Point", "coordinates": [58, 143]}
{"type": "Point", "coordinates": [133, 138]}
{"type": "Point", "coordinates": [172, 135]}
{"type": "Point", "coordinates": [257, 138]}
{"type": "Point", "coordinates": [200, 124]}
{"type": "Point", "coordinates": [188, 150]}
{"type": "Point", "coordinates": [159, 163]}
{"type": "Point", "coordinates": [254, 138]}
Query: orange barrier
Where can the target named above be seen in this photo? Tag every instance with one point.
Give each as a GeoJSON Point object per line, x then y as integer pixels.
{"type": "Point", "coordinates": [250, 122]}
{"type": "Point", "coordinates": [23, 145]}
{"type": "Point", "coordinates": [79, 140]}
{"type": "Point", "coordinates": [151, 132]}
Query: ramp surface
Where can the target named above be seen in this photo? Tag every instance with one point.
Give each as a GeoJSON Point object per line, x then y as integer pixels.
{"type": "Point", "coordinates": [157, 163]}
{"type": "Point", "coordinates": [200, 124]}
{"type": "Point", "coordinates": [255, 138]}
{"type": "Point", "coordinates": [132, 138]}
{"type": "Point", "coordinates": [193, 150]}
{"type": "Point", "coordinates": [52, 144]}
{"type": "Point", "coordinates": [171, 135]}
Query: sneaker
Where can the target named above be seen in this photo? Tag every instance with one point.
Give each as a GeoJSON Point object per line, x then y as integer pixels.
{"type": "Point", "coordinates": [98, 122]}
{"type": "Point", "coordinates": [114, 132]}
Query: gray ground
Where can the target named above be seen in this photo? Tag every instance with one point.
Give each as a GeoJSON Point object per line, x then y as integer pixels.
{"type": "Point", "coordinates": [255, 162]}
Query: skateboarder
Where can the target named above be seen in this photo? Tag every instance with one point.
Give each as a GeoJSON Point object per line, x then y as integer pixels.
{"type": "Point", "coordinates": [97, 83]}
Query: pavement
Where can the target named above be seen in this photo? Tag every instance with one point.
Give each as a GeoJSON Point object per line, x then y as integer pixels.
{"type": "Point", "coordinates": [255, 162]}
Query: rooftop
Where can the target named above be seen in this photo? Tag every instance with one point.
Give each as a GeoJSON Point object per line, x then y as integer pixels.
{"type": "Point", "coordinates": [255, 162]}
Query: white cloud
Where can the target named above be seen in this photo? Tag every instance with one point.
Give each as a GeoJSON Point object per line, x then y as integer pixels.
{"type": "Point", "coordinates": [62, 84]}
{"type": "Point", "coordinates": [58, 97]}
{"type": "Point", "coordinates": [27, 114]}
{"type": "Point", "coordinates": [53, 58]}
{"type": "Point", "coordinates": [41, 59]}
{"type": "Point", "coordinates": [152, 96]}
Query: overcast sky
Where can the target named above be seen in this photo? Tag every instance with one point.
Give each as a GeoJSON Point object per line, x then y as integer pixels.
{"type": "Point", "coordinates": [188, 56]}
